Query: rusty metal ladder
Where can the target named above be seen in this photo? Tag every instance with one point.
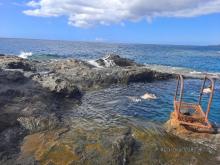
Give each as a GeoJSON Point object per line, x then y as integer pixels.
{"type": "Point", "coordinates": [199, 118]}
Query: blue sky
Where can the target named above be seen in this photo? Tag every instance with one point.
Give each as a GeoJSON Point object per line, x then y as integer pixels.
{"type": "Point", "coordinates": [185, 23]}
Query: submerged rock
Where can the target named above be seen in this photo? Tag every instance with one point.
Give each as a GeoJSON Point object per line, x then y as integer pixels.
{"type": "Point", "coordinates": [87, 142]}
{"type": "Point", "coordinates": [39, 123]}
{"type": "Point", "coordinates": [123, 149]}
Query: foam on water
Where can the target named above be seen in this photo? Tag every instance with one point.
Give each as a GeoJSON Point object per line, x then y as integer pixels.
{"type": "Point", "coordinates": [94, 63]}
{"type": "Point", "coordinates": [25, 55]}
{"type": "Point", "coordinates": [199, 58]}
{"type": "Point", "coordinates": [108, 62]}
{"type": "Point", "coordinates": [162, 68]}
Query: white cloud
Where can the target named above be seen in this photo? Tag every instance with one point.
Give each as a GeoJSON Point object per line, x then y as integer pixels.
{"type": "Point", "coordinates": [33, 4]}
{"type": "Point", "coordinates": [86, 13]}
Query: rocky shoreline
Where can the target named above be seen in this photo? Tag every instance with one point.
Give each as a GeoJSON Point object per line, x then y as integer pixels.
{"type": "Point", "coordinates": [36, 128]}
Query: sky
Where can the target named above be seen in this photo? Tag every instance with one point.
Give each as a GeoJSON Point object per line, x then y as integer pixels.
{"type": "Point", "coordinates": [181, 22]}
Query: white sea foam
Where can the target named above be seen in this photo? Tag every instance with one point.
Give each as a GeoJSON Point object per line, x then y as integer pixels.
{"type": "Point", "coordinates": [25, 54]}
{"type": "Point", "coordinates": [94, 63]}
{"type": "Point", "coordinates": [146, 96]}
{"type": "Point", "coordinates": [108, 62]}
{"type": "Point", "coordinates": [134, 99]}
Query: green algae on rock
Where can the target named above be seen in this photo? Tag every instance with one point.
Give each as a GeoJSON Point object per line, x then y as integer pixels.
{"type": "Point", "coordinates": [122, 143]}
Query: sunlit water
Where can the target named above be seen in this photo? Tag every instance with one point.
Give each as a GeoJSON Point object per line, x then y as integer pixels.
{"type": "Point", "coordinates": [199, 58]}
{"type": "Point", "coordinates": [111, 105]}
{"type": "Point", "coordinates": [125, 100]}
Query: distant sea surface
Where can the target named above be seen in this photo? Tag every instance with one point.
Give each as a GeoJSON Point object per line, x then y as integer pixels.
{"type": "Point", "coordinates": [191, 58]}
{"type": "Point", "coordinates": [199, 58]}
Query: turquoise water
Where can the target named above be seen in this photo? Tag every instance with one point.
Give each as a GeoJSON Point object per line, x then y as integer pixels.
{"type": "Point", "coordinates": [125, 100]}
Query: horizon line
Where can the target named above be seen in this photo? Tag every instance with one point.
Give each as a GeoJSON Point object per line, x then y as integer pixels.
{"type": "Point", "coordinates": [110, 42]}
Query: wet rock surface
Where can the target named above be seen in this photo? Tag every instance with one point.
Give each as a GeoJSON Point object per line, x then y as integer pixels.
{"type": "Point", "coordinates": [207, 137]}
{"type": "Point", "coordinates": [88, 142]}
{"type": "Point", "coordinates": [41, 124]}
{"type": "Point", "coordinates": [192, 134]}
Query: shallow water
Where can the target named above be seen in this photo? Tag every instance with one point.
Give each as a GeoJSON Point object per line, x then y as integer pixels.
{"type": "Point", "coordinates": [125, 101]}
{"type": "Point", "coordinates": [121, 105]}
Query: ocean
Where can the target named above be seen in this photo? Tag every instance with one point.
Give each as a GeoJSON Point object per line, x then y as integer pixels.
{"type": "Point", "coordinates": [116, 99]}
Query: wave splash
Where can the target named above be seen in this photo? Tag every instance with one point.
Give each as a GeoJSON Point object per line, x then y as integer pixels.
{"type": "Point", "coordinates": [25, 55]}
{"type": "Point", "coordinates": [107, 62]}
{"type": "Point", "coordinates": [94, 63]}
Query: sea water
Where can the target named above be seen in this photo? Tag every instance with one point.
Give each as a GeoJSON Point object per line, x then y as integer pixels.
{"type": "Point", "coordinates": [126, 100]}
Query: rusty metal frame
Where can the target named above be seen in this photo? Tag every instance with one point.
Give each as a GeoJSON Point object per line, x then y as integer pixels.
{"type": "Point", "coordinates": [200, 118]}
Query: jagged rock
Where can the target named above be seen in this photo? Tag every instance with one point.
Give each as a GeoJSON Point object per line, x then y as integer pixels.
{"type": "Point", "coordinates": [60, 86]}
{"type": "Point", "coordinates": [87, 77]}
{"type": "Point", "coordinates": [66, 88]}
{"type": "Point", "coordinates": [115, 60]}
{"type": "Point", "coordinates": [19, 65]}
{"type": "Point", "coordinates": [14, 62]}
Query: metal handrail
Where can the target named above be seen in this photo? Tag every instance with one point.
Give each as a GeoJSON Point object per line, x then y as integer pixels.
{"type": "Point", "coordinates": [178, 104]}
{"type": "Point", "coordinates": [210, 97]}
{"type": "Point", "coordinates": [181, 82]}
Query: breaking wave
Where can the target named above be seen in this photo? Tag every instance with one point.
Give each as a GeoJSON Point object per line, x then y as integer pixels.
{"type": "Point", "coordinates": [107, 62]}
{"type": "Point", "coordinates": [94, 63]}
{"type": "Point", "coordinates": [25, 55]}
